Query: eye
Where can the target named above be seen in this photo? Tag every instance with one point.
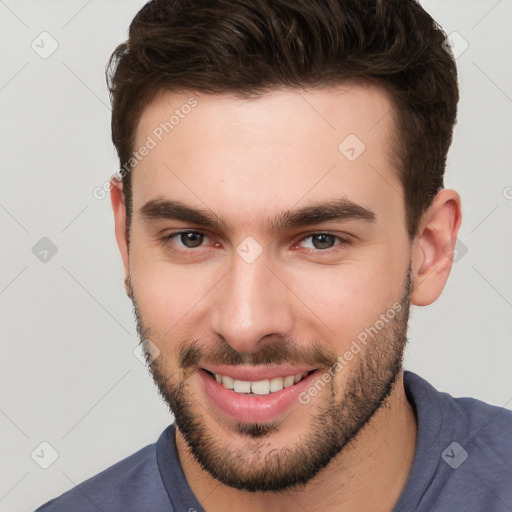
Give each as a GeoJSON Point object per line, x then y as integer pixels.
{"type": "Point", "coordinates": [320, 242]}
{"type": "Point", "coordinates": [187, 239]}
{"type": "Point", "coordinates": [323, 241]}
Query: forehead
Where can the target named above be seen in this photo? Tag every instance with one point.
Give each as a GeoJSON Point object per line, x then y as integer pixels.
{"type": "Point", "coordinates": [248, 157]}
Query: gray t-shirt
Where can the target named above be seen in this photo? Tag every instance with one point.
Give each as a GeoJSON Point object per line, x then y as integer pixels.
{"type": "Point", "coordinates": [463, 462]}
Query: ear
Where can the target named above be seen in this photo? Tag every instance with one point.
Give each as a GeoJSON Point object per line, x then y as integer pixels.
{"type": "Point", "coordinates": [434, 246]}
{"type": "Point", "coordinates": [119, 208]}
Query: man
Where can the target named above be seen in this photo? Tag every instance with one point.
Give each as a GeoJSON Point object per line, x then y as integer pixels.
{"type": "Point", "coordinates": [281, 207]}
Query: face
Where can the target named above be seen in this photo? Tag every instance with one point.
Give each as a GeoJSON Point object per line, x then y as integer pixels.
{"type": "Point", "coordinates": [269, 266]}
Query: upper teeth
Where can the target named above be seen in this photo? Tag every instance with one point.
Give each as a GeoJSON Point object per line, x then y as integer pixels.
{"type": "Point", "coordinates": [260, 387]}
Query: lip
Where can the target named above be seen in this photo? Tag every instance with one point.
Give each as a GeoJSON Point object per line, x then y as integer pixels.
{"type": "Point", "coordinates": [253, 374]}
{"type": "Point", "coordinates": [253, 408]}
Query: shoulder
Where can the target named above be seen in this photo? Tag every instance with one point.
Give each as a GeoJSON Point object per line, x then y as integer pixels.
{"type": "Point", "coordinates": [131, 484]}
{"type": "Point", "coordinates": [470, 445]}
{"type": "Point", "coordinates": [470, 418]}
{"type": "Point", "coordinates": [487, 438]}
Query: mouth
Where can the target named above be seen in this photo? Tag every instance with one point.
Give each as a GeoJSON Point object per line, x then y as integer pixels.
{"type": "Point", "coordinates": [249, 394]}
{"type": "Point", "coordinates": [258, 387]}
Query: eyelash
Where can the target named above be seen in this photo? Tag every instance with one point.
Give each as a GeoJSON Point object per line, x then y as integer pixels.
{"type": "Point", "coordinates": [343, 242]}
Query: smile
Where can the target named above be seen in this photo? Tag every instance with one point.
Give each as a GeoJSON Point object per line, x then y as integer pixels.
{"type": "Point", "coordinates": [259, 387]}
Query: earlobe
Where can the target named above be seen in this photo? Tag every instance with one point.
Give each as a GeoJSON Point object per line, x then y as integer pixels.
{"type": "Point", "coordinates": [433, 247]}
{"type": "Point", "coordinates": [119, 210]}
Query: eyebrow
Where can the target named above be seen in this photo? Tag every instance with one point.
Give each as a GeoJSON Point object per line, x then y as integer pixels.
{"type": "Point", "coordinates": [327, 211]}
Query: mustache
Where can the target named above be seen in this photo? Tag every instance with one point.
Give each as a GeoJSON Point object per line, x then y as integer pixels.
{"type": "Point", "coordinates": [192, 353]}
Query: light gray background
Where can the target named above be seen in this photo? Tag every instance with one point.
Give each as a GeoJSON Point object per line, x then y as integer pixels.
{"type": "Point", "coordinates": [68, 373]}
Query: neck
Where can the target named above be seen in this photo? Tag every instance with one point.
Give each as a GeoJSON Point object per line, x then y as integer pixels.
{"type": "Point", "coordinates": [368, 474]}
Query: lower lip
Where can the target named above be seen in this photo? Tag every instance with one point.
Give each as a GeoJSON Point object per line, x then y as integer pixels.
{"type": "Point", "coordinates": [253, 408]}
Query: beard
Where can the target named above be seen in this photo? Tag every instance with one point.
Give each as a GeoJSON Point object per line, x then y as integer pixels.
{"type": "Point", "coordinates": [246, 459]}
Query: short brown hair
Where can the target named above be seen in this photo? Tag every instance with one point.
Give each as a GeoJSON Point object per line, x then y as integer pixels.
{"type": "Point", "coordinates": [249, 47]}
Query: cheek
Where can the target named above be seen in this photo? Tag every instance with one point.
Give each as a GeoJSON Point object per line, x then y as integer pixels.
{"type": "Point", "coordinates": [341, 302]}
{"type": "Point", "coordinates": [167, 294]}
{"type": "Point", "coordinates": [350, 297]}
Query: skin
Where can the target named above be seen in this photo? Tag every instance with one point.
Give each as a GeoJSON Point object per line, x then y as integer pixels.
{"type": "Point", "coordinates": [246, 160]}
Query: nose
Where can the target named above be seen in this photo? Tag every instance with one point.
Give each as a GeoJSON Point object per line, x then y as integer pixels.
{"type": "Point", "coordinates": [250, 305]}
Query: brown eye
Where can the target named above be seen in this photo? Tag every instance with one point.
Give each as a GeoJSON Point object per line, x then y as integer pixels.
{"type": "Point", "coordinates": [323, 241]}
{"type": "Point", "coordinates": [191, 239]}
{"type": "Point", "coordinates": [323, 244]}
